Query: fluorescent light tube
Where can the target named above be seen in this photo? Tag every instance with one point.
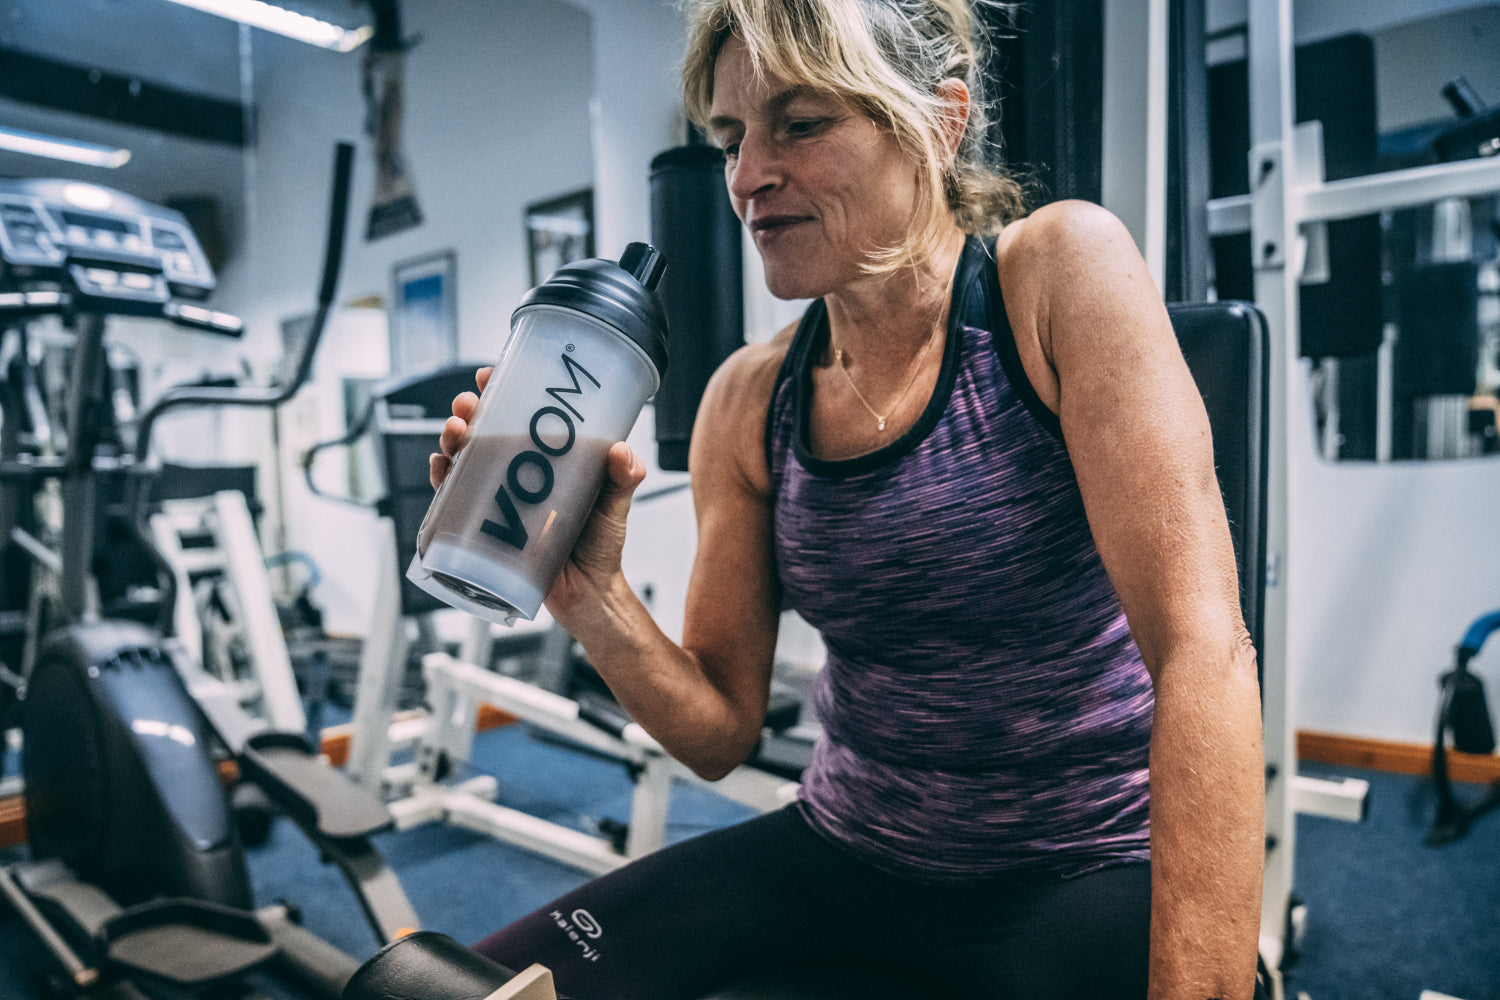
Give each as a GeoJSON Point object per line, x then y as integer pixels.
{"type": "Point", "coordinates": [282, 21]}
{"type": "Point", "coordinates": [37, 144]}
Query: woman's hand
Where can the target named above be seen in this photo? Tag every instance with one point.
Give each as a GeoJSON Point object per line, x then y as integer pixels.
{"type": "Point", "coordinates": [454, 431]}
{"type": "Point", "coordinates": [594, 565]}
{"type": "Point", "coordinates": [593, 568]}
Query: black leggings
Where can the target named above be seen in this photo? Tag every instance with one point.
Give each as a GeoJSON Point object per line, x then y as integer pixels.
{"type": "Point", "coordinates": [771, 892]}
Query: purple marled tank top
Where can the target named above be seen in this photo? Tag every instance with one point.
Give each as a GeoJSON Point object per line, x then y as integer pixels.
{"type": "Point", "coordinates": [985, 709]}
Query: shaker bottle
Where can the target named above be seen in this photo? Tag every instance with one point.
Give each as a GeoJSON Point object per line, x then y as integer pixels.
{"type": "Point", "coordinates": [586, 350]}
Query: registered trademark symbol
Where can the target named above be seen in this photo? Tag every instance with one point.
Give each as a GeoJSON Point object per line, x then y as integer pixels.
{"type": "Point", "coordinates": [570, 348]}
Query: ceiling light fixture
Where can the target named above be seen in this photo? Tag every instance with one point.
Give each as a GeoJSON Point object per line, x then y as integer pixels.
{"type": "Point", "coordinates": [283, 21]}
{"type": "Point", "coordinates": [37, 144]}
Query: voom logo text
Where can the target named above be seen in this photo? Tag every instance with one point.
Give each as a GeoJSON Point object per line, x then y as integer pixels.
{"type": "Point", "coordinates": [548, 425]}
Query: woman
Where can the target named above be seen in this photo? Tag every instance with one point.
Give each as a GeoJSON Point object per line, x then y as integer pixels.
{"type": "Point", "coordinates": [1041, 774]}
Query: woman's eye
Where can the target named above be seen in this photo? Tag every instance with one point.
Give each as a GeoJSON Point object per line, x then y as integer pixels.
{"type": "Point", "coordinates": [731, 150]}
{"type": "Point", "coordinates": [803, 126]}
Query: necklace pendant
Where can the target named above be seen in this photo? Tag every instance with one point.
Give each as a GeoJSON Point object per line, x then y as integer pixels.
{"type": "Point", "coordinates": [882, 424]}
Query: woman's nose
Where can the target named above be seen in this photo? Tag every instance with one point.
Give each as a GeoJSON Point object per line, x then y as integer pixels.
{"type": "Point", "coordinates": [753, 171]}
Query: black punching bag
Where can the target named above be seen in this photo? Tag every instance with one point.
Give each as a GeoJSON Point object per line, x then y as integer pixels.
{"type": "Point", "coordinates": [693, 224]}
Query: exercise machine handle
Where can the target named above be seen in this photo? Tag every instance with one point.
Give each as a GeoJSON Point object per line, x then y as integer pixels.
{"type": "Point", "coordinates": [24, 305]}
{"type": "Point", "coordinates": [1473, 640]}
{"type": "Point", "coordinates": [27, 305]}
{"type": "Point", "coordinates": [207, 320]}
{"type": "Point", "coordinates": [276, 395]}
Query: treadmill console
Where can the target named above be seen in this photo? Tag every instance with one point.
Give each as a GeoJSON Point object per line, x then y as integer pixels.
{"type": "Point", "coordinates": [104, 244]}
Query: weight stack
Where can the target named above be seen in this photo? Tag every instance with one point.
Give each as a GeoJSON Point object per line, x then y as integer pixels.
{"type": "Point", "coordinates": [694, 225]}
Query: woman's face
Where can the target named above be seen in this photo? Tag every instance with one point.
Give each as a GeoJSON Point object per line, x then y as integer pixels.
{"type": "Point", "coordinates": [818, 184]}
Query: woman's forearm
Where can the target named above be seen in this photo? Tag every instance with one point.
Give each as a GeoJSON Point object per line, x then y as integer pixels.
{"type": "Point", "coordinates": [1207, 828]}
{"type": "Point", "coordinates": [666, 688]}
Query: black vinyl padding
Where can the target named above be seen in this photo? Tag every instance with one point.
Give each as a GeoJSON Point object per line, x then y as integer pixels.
{"type": "Point", "coordinates": [317, 796]}
{"type": "Point", "coordinates": [426, 966]}
{"type": "Point", "coordinates": [186, 941]}
{"type": "Point", "coordinates": [1225, 345]}
{"type": "Point", "coordinates": [833, 983]}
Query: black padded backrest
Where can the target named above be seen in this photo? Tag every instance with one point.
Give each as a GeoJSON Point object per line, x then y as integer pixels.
{"type": "Point", "coordinates": [1225, 344]}
{"type": "Point", "coordinates": [409, 416]}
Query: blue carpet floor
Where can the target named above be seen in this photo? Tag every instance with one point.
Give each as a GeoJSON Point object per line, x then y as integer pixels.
{"type": "Point", "coordinates": [1388, 917]}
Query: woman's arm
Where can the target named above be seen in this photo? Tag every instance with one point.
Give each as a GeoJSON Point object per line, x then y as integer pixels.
{"type": "Point", "coordinates": [1102, 353]}
{"type": "Point", "coordinates": [705, 700]}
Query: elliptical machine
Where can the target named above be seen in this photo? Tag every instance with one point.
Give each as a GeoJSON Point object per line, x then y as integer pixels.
{"type": "Point", "coordinates": [138, 875]}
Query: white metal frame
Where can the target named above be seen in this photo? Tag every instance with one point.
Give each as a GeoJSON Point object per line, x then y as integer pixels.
{"type": "Point", "coordinates": [455, 692]}
{"type": "Point", "coordinates": [1285, 211]}
{"type": "Point", "coordinates": [235, 553]}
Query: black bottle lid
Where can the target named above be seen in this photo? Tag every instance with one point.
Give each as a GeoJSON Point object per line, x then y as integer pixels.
{"type": "Point", "coordinates": [621, 294]}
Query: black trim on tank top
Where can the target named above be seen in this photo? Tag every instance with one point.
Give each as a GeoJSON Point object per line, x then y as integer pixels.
{"type": "Point", "coordinates": [790, 365]}
{"type": "Point", "coordinates": [1004, 337]}
{"type": "Point", "coordinates": [977, 302]}
{"type": "Point", "coordinates": [812, 338]}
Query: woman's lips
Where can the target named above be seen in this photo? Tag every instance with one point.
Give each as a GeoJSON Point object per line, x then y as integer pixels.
{"type": "Point", "coordinates": [771, 226]}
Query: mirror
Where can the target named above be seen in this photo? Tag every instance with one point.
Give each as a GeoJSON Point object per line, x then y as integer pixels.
{"type": "Point", "coordinates": [157, 88]}
{"type": "Point", "coordinates": [236, 128]}
{"type": "Point", "coordinates": [1424, 282]}
{"type": "Point", "coordinates": [1399, 312]}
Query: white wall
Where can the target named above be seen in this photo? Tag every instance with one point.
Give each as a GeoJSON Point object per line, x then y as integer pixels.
{"type": "Point", "coordinates": [637, 109]}
{"type": "Point", "coordinates": [1413, 61]}
{"type": "Point", "coordinates": [1390, 565]}
{"type": "Point", "coordinates": [496, 117]}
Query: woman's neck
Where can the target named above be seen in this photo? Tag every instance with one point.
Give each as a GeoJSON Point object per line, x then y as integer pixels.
{"type": "Point", "coordinates": [885, 319]}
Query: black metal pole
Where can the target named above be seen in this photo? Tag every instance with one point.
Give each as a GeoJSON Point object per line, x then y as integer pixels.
{"type": "Point", "coordinates": [276, 395]}
{"type": "Point", "coordinates": [79, 485]}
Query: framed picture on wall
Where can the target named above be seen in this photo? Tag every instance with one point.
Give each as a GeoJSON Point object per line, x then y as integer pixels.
{"type": "Point", "coordinates": [558, 231]}
{"type": "Point", "coordinates": [424, 313]}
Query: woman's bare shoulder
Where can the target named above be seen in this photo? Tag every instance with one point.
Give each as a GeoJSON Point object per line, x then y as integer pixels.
{"type": "Point", "coordinates": [750, 372]}
{"type": "Point", "coordinates": [1052, 255]}
{"type": "Point", "coordinates": [732, 418]}
{"type": "Point", "coordinates": [1059, 233]}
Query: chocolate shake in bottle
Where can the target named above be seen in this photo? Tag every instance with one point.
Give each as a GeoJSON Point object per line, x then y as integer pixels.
{"type": "Point", "coordinates": [587, 349]}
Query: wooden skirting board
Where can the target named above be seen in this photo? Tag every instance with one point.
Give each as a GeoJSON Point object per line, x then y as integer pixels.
{"type": "Point", "coordinates": [336, 739]}
{"type": "Point", "coordinates": [1396, 758]}
{"type": "Point", "coordinates": [1322, 748]}
{"type": "Point", "coordinates": [12, 821]}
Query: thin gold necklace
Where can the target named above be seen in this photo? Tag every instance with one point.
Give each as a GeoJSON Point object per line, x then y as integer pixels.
{"type": "Point", "coordinates": [880, 418]}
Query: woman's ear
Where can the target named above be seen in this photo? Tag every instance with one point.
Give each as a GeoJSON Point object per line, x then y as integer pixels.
{"type": "Point", "coordinates": [953, 96]}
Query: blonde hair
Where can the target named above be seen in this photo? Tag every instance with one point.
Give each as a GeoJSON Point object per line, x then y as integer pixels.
{"type": "Point", "coordinates": [885, 58]}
